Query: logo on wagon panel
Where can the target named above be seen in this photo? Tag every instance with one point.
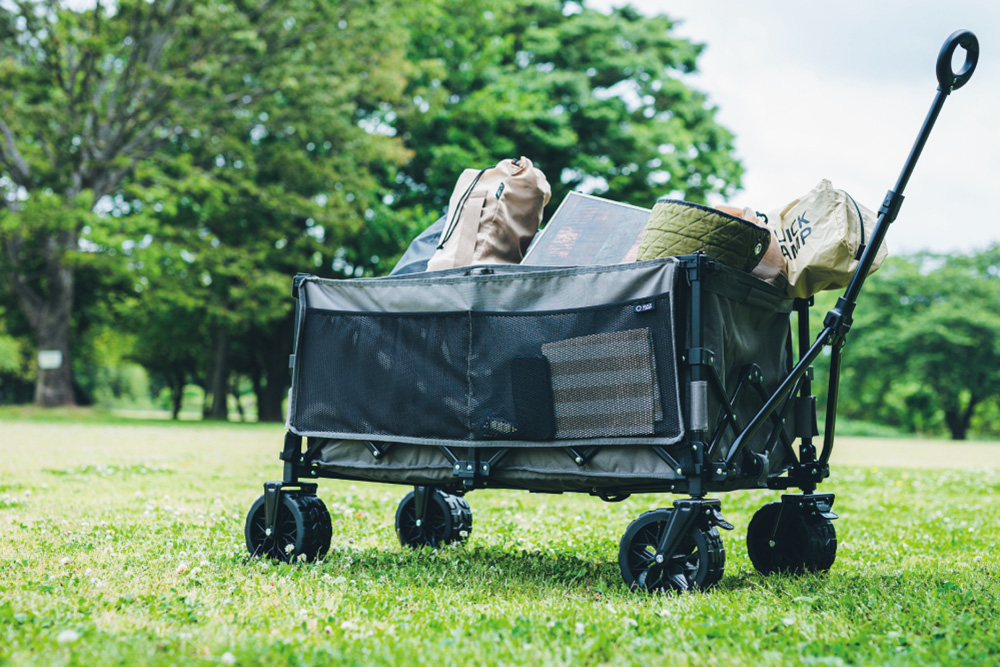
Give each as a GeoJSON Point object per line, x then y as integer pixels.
{"type": "Point", "coordinates": [793, 237]}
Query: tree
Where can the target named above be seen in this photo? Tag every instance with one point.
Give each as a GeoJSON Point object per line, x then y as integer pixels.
{"type": "Point", "coordinates": [925, 348]}
{"type": "Point", "coordinates": [86, 96]}
{"type": "Point", "coordinates": [596, 100]}
{"type": "Point", "coordinates": [268, 190]}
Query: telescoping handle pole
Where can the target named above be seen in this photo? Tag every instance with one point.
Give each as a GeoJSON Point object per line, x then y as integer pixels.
{"type": "Point", "coordinates": [948, 80]}
{"type": "Point", "coordinates": [839, 318]}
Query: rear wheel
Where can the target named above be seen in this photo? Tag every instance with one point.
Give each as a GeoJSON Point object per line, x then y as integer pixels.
{"type": "Point", "coordinates": [698, 562]}
{"type": "Point", "coordinates": [301, 531]}
{"type": "Point", "coordinates": [447, 519]}
{"type": "Point", "coordinates": [809, 544]}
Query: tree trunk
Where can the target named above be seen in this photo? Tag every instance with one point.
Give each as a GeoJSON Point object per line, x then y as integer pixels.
{"type": "Point", "coordinates": [272, 391]}
{"type": "Point", "coordinates": [49, 314]}
{"type": "Point", "coordinates": [54, 385]}
{"type": "Point", "coordinates": [235, 391]}
{"type": "Point", "coordinates": [958, 420]}
{"type": "Point", "coordinates": [176, 394]}
{"type": "Point", "coordinates": [219, 380]}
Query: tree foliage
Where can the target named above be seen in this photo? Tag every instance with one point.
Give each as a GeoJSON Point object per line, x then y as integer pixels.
{"type": "Point", "coordinates": [88, 96]}
{"type": "Point", "coordinates": [168, 165]}
{"type": "Point", "coordinates": [597, 100]}
{"type": "Point", "coordinates": [924, 352]}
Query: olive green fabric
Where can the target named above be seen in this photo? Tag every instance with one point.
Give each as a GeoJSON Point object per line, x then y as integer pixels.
{"type": "Point", "coordinates": [681, 228]}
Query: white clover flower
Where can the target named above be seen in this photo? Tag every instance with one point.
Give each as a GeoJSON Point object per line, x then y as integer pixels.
{"type": "Point", "coordinates": [578, 628]}
{"type": "Point", "coordinates": [289, 548]}
{"type": "Point", "coordinates": [67, 636]}
{"type": "Point", "coordinates": [195, 571]}
{"type": "Point", "coordinates": [228, 658]}
{"type": "Point", "coordinates": [182, 568]}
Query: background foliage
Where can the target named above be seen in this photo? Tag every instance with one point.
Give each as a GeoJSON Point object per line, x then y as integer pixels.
{"type": "Point", "coordinates": [167, 166]}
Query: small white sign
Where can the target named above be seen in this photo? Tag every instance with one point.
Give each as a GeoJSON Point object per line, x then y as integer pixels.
{"type": "Point", "coordinates": [49, 360]}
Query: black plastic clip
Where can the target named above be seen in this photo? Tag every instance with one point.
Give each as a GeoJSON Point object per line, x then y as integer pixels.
{"type": "Point", "coordinates": [292, 453]}
{"type": "Point", "coordinates": [714, 516]}
{"type": "Point", "coordinates": [890, 205]}
{"type": "Point", "coordinates": [839, 320]}
{"type": "Point", "coordinates": [700, 356]}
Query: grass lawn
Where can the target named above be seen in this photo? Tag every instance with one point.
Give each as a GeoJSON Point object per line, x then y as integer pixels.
{"type": "Point", "coordinates": [122, 543]}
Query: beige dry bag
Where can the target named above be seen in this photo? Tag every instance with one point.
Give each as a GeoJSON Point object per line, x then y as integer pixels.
{"type": "Point", "coordinates": [492, 216]}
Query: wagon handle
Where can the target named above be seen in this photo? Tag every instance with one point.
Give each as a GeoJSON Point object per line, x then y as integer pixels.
{"type": "Point", "coordinates": [839, 319]}
{"type": "Point", "coordinates": [948, 79]}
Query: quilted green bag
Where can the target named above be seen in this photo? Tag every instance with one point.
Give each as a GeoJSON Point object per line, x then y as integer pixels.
{"type": "Point", "coordinates": [678, 227]}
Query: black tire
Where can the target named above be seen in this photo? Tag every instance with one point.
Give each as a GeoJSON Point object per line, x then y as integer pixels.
{"type": "Point", "coordinates": [810, 545]}
{"type": "Point", "coordinates": [698, 563]}
{"type": "Point", "coordinates": [301, 528]}
{"type": "Point", "coordinates": [448, 520]}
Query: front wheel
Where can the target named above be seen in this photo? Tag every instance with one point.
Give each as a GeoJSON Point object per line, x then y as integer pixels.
{"type": "Point", "coordinates": [302, 529]}
{"type": "Point", "coordinates": [447, 519]}
{"type": "Point", "coordinates": [698, 561]}
{"type": "Point", "coordinates": [809, 544]}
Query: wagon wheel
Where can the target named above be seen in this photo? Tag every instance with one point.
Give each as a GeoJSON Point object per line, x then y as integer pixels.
{"type": "Point", "coordinates": [448, 519]}
{"type": "Point", "coordinates": [301, 528]}
{"type": "Point", "coordinates": [808, 545]}
{"type": "Point", "coordinates": [698, 561]}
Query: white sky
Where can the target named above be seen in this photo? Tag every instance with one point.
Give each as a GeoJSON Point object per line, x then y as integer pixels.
{"type": "Point", "coordinates": [839, 90]}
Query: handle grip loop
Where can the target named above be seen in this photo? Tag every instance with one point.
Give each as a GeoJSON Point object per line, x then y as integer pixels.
{"type": "Point", "coordinates": [948, 79]}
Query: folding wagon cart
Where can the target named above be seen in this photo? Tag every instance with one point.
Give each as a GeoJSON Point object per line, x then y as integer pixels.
{"type": "Point", "coordinates": [674, 375]}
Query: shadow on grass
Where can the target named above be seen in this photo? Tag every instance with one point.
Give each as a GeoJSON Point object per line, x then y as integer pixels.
{"type": "Point", "coordinates": [467, 567]}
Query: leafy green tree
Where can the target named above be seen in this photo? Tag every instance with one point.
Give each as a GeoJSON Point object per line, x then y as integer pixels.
{"type": "Point", "coordinates": [596, 100]}
{"type": "Point", "coordinates": [924, 352]}
{"type": "Point", "coordinates": [89, 95]}
{"type": "Point", "coordinates": [269, 189]}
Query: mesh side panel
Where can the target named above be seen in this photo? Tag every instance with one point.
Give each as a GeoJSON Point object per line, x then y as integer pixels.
{"type": "Point", "coordinates": [384, 374]}
{"type": "Point", "coordinates": [481, 377]}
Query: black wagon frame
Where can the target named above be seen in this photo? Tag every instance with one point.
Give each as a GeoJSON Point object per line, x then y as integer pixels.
{"type": "Point", "coordinates": [723, 449]}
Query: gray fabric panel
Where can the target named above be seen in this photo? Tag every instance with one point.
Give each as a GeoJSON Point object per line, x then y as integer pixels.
{"type": "Point", "coordinates": [537, 289]}
{"type": "Point", "coordinates": [402, 463]}
{"type": "Point", "coordinates": [508, 288]}
{"type": "Point", "coordinates": [548, 468]}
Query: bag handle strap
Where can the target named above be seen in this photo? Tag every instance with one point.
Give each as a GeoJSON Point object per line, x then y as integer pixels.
{"type": "Point", "coordinates": [453, 223]}
{"type": "Point", "coordinates": [861, 221]}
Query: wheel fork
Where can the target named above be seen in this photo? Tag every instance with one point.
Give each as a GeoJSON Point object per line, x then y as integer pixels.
{"type": "Point", "coordinates": [820, 504]}
{"type": "Point", "coordinates": [420, 505]}
{"type": "Point", "coordinates": [687, 514]}
{"type": "Point", "coordinates": [272, 496]}
{"type": "Point", "coordinates": [272, 500]}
